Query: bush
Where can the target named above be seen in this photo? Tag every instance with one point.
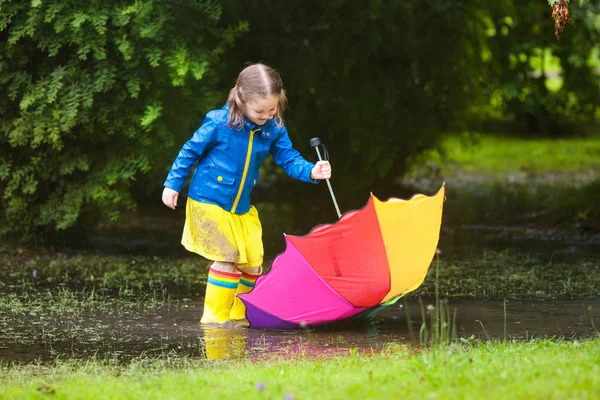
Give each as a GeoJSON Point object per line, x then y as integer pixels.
{"type": "Point", "coordinates": [93, 93]}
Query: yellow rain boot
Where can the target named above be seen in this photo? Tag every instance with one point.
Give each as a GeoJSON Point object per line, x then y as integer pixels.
{"type": "Point", "coordinates": [238, 310]}
{"type": "Point", "coordinates": [220, 291]}
{"type": "Point", "coordinates": [222, 343]}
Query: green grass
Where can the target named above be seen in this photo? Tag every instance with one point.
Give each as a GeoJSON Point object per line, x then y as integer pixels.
{"type": "Point", "coordinates": [554, 183]}
{"type": "Point", "coordinates": [511, 274]}
{"type": "Point", "coordinates": [499, 155]}
{"type": "Point", "coordinates": [33, 269]}
{"type": "Point", "coordinates": [92, 282]}
{"type": "Point", "coordinates": [491, 370]}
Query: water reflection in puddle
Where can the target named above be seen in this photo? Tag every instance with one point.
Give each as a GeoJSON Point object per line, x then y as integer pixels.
{"type": "Point", "coordinates": [175, 330]}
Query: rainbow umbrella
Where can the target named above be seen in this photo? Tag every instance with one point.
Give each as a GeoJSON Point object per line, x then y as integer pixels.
{"type": "Point", "coordinates": [367, 259]}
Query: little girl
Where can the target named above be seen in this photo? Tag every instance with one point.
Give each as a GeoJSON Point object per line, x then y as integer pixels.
{"type": "Point", "coordinates": [230, 147]}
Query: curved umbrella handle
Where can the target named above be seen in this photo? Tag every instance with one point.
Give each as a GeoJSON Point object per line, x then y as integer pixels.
{"type": "Point", "coordinates": [316, 142]}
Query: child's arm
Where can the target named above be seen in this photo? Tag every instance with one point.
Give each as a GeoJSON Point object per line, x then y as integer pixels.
{"type": "Point", "coordinates": [202, 140]}
{"type": "Point", "coordinates": [290, 160]}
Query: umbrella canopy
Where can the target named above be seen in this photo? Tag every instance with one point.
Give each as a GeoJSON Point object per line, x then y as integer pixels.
{"type": "Point", "coordinates": [367, 259]}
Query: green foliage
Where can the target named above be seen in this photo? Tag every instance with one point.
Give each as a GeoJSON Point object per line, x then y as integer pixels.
{"type": "Point", "coordinates": [99, 97]}
{"type": "Point", "coordinates": [376, 81]}
{"type": "Point", "coordinates": [547, 85]}
{"type": "Point", "coordinates": [93, 95]}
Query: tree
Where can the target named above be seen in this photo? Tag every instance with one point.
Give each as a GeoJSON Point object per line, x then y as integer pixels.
{"type": "Point", "coordinates": [378, 81]}
{"type": "Point", "coordinates": [546, 85]}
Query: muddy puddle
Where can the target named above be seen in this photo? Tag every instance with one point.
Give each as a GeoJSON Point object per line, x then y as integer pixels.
{"type": "Point", "coordinates": [174, 331]}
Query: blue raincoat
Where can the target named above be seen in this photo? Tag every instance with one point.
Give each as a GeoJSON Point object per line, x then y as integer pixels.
{"type": "Point", "coordinates": [229, 161]}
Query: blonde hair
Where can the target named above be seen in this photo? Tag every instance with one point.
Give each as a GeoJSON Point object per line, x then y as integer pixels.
{"type": "Point", "coordinates": [255, 81]}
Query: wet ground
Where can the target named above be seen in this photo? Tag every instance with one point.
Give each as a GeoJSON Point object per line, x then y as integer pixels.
{"type": "Point", "coordinates": [175, 331]}
{"type": "Point", "coordinates": [567, 263]}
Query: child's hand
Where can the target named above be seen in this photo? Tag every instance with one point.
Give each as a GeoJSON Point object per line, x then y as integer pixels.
{"type": "Point", "coordinates": [321, 170]}
{"type": "Point", "coordinates": [169, 197]}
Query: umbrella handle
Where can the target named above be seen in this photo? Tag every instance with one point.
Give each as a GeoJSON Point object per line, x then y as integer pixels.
{"type": "Point", "coordinates": [316, 142]}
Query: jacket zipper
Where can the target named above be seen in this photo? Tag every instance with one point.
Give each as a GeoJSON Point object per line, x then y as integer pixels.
{"type": "Point", "coordinates": [248, 157]}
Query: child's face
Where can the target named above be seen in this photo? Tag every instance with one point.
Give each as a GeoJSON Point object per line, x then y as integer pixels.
{"type": "Point", "coordinates": [261, 109]}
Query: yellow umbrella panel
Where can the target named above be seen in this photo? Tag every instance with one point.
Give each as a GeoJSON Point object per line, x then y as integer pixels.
{"type": "Point", "coordinates": [410, 231]}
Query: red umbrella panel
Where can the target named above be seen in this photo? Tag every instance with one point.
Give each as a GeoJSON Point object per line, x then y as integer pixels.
{"type": "Point", "coordinates": [367, 258]}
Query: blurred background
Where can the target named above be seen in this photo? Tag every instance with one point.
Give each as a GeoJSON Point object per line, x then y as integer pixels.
{"type": "Point", "coordinates": [499, 100]}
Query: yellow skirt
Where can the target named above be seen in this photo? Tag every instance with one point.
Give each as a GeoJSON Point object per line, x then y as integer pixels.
{"type": "Point", "coordinates": [219, 235]}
